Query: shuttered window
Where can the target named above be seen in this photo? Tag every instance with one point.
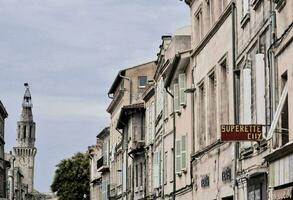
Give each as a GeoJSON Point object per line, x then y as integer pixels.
{"type": "Point", "coordinates": [165, 167]}
{"type": "Point", "coordinates": [153, 121]}
{"type": "Point", "coordinates": [156, 170]}
{"type": "Point", "coordinates": [160, 97]}
{"type": "Point", "coordinates": [176, 98]}
{"type": "Point", "coordinates": [183, 152]}
{"type": "Point", "coordinates": [105, 189]}
{"type": "Point", "coordinates": [178, 156]}
{"type": "Point", "coordinates": [182, 88]}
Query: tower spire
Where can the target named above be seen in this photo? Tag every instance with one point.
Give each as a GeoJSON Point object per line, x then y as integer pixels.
{"type": "Point", "coordinates": [27, 98]}
{"type": "Point", "coordinates": [25, 150]}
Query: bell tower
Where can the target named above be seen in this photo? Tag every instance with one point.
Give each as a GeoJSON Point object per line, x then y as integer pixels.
{"type": "Point", "coordinates": [25, 150]}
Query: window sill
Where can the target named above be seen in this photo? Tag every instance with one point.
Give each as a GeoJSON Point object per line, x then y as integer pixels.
{"type": "Point", "coordinates": [255, 4]}
{"type": "Point", "coordinates": [280, 4]}
{"type": "Point", "coordinates": [245, 19]}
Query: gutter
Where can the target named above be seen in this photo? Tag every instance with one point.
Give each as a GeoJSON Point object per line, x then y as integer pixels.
{"type": "Point", "coordinates": [174, 141]}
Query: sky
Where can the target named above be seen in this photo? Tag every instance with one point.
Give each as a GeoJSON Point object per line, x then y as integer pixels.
{"type": "Point", "coordinates": [70, 51]}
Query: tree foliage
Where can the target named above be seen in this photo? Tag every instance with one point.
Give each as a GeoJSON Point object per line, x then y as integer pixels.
{"type": "Point", "coordinates": [71, 180]}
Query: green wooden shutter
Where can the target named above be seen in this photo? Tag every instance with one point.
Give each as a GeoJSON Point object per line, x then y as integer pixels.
{"type": "Point", "coordinates": [183, 151]}
{"type": "Point", "coordinates": [182, 88]}
{"type": "Point", "coordinates": [178, 156]}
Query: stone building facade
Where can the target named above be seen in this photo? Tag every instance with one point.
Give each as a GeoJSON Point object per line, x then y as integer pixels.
{"type": "Point", "coordinates": [231, 66]}
{"type": "Point", "coordinates": [95, 152]}
{"type": "Point", "coordinates": [126, 90]}
{"type": "Point", "coordinates": [103, 163]}
{"type": "Point", "coordinates": [3, 164]}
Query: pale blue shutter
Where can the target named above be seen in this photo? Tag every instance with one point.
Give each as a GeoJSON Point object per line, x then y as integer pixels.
{"type": "Point", "coordinates": [183, 152]}
{"type": "Point", "coordinates": [182, 88]}
{"type": "Point", "coordinates": [176, 97]}
{"type": "Point", "coordinates": [178, 156]}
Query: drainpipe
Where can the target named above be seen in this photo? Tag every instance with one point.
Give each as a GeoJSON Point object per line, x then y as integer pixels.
{"type": "Point", "coordinates": [236, 92]}
{"type": "Point", "coordinates": [130, 86]}
{"type": "Point", "coordinates": [271, 66]}
{"type": "Point", "coordinates": [174, 141]}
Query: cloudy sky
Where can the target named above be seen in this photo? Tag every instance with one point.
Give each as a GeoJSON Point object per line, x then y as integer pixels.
{"type": "Point", "coordinates": [70, 51]}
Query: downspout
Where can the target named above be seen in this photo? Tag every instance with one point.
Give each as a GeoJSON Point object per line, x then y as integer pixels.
{"type": "Point", "coordinates": [174, 141]}
{"type": "Point", "coordinates": [130, 86]}
{"type": "Point", "coordinates": [272, 68]}
{"type": "Point", "coordinates": [235, 91]}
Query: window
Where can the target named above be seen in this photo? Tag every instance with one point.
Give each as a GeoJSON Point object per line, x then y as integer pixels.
{"type": "Point", "coordinates": [224, 99]}
{"type": "Point", "coordinates": [284, 116]}
{"type": "Point", "coordinates": [165, 167]}
{"type": "Point", "coordinates": [183, 152]}
{"type": "Point", "coordinates": [159, 97]}
{"type": "Point", "coordinates": [198, 26]}
{"type": "Point", "coordinates": [105, 153]}
{"type": "Point", "coordinates": [210, 12]}
{"type": "Point", "coordinates": [178, 156]}
{"type": "Point", "coordinates": [202, 116]}
{"type": "Point", "coordinates": [31, 131]}
{"type": "Point", "coordinates": [212, 109]}
{"type": "Point", "coordinates": [24, 131]}
{"type": "Point", "coordinates": [141, 174]}
{"type": "Point", "coordinates": [245, 7]}
{"type": "Point", "coordinates": [136, 175]}
{"type": "Point", "coordinates": [182, 88]}
{"type": "Point", "coordinates": [156, 174]}
{"type": "Point", "coordinates": [257, 187]}
{"type": "Point", "coordinates": [18, 131]}
{"type": "Point", "coordinates": [142, 80]}
{"type": "Point", "coordinates": [254, 192]}
{"type": "Point", "coordinates": [176, 98]}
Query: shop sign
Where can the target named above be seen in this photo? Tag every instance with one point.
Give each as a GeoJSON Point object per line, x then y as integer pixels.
{"type": "Point", "coordinates": [240, 132]}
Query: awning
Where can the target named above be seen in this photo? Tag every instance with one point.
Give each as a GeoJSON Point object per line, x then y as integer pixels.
{"type": "Point", "coordinates": [282, 194]}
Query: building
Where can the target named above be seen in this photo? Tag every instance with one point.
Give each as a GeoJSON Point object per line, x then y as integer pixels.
{"type": "Point", "coordinates": [103, 164]}
{"type": "Point", "coordinates": [126, 90]}
{"type": "Point", "coordinates": [95, 152]}
{"type": "Point", "coordinates": [3, 116]}
{"type": "Point", "coordinates": [213, 37]}
{"type": "Point", "coordinates": [132, 124]}
{"type": "Point", "coordinates": [232, 66]}
{"type": "Point", "coordinates": [16, 188]}
{"type": "Point", "coordinates": [280, 158]}
{"type": "Point", "coordinates": [25, 150]}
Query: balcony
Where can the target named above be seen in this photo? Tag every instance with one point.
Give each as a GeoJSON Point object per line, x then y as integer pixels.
{"type": "Point", "coordinates": [137, 147]}
{"type": "Point", "coordinates": [102, 165]}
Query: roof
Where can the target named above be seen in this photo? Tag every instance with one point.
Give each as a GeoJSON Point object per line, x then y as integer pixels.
{"type": "Point", "coordinates": [180, 61]}
{"type": "Point", "coordinates": [3, 110]}
{"type": "Point", "coordinates": [119, 78]}
{"type": "Point", "coordinates": [104, 133]}
{"type": "Point", "coordinates": [126, 111]}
